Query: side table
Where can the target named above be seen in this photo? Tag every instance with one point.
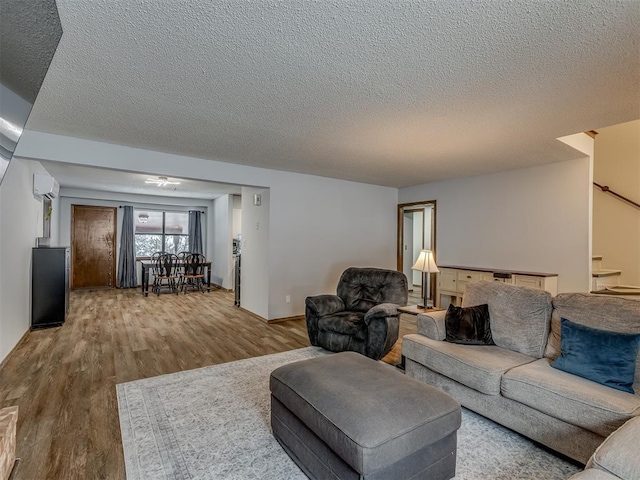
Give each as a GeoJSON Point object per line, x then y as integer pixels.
{"type": "Point", "coordinates": [8, 422]}
{"type": "Point", "coordinates": [413, 310]}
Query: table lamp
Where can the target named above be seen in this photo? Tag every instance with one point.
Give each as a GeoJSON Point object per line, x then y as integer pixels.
{"type": "Point", "coordinates": [425, 264]}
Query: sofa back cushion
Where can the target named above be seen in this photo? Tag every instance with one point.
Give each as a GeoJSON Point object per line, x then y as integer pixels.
{"type": "Point", "coordinates": [603, 312]}
{"type": "Point", "coordinates": [519, 316]}
{"type": "Point", "coordinates": [364, 288]}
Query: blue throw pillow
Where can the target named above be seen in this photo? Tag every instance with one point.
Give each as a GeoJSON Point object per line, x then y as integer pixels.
{"type": "Point", "coordinates": [608, 358]}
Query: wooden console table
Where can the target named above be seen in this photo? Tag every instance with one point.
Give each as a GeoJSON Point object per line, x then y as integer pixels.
{"type": "Point", "coordinates": [452, 280]}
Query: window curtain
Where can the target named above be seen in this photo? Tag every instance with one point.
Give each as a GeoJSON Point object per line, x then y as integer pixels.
{"type": "Point", "coordinates": [127, 262]}
{"type": "Point", "coordinates": [195, 231]}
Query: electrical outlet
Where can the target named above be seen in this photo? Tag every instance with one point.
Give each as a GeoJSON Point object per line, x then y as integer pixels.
{"type": "Point", "coordinates": [287, 298]}
{"type": "Point", "coordinates": [257, 225]}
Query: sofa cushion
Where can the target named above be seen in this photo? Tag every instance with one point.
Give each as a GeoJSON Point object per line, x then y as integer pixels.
{"type": "Point", "coordinates": [520, 316]}
{"type": "Point", "coordinates": [477, 367]}
{"type": "Point", "coordinates": [570, 398]}
{"type": "Point", "coordinates": [597, 311]}
{"type": "Point", "coordinates": [346, 323]}
{"type": "Point", "coordinates": [618, 454]}
{"type": "Point", "coordinates": [608, 358]}
{"type": "Point", "coordinates": [468, 325]}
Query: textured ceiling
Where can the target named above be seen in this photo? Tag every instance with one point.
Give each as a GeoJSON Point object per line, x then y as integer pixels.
{"type": "Point", "coordinates": [29, 35]}
{"type": "Point", "coordinates": [76, 176]}
{"type": "Point", "coordinates": [387, 92]}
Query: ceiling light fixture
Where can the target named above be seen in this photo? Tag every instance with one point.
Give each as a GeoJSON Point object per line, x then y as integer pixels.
{"type": "Point", "coordinates": [161, 181]}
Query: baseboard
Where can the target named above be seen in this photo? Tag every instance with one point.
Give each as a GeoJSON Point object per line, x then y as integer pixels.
{"type": "Point", "coordinates": [274, 320]}
{"type": "Point", "coordinates": [286, 319]}
{"type": "Point", "coordinates": [15, 347]}
{"type": "Point", "coordinates": [254, 315]}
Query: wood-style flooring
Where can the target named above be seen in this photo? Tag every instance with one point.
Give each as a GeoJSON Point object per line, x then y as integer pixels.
{"type": "Point", "coordinates": [63, 379]}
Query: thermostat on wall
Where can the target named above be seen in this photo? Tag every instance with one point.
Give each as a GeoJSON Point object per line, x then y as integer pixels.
{"type": "Point", "coordinates": [257, 199]}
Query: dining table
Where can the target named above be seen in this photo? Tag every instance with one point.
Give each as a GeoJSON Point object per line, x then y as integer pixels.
{"type": "Point", "coordinates": [147, 266]}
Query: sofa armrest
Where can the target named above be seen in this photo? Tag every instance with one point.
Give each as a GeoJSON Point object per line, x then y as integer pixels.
{"type": "Point", "coordinates": [432, 325]}
{"type": "Point", "coordinates": [383, 328]}
{"type": "Point", "coordinates": [593, 474]}
{"type": "Point", "coordinates": [317, 307]}
{"type": "Point", "coordinates": [618, 454]}
{"type": "Point", "coordinates": [322, 305]}
{"type": "Point", "coordinates": [381, 311]}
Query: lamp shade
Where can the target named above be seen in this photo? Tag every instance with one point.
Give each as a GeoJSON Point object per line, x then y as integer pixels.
{"type": "Point", "coordinates": [426, 262]}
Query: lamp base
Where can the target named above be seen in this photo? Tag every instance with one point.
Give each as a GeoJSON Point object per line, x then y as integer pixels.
{"type": "Point", "coordinates": [425, 307]}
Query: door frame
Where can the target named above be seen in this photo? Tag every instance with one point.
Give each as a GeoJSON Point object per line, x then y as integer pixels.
{"type": "Point", "coordinates": [400, 236]}
{"type": "Point", "coordinates": [115, 240]}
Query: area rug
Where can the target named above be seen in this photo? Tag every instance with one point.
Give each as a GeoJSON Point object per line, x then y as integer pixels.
{"type": "Point", "coordinates": [213, 423]}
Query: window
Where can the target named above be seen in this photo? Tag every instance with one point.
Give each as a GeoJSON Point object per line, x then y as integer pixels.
{"type": "Point", "coordinates": [161, 232]}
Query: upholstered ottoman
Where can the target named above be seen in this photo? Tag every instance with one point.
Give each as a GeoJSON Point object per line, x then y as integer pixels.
{"type": "Point", "coordinates": [346, 416]}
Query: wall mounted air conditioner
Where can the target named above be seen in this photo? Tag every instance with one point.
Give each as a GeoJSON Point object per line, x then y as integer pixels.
{"type": "Point", "coordinates": [45, 185]}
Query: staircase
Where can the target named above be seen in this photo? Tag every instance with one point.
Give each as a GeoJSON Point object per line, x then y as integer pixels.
{"type": "Point", "coordinates": [603, 278]}
{"type": "Point", "coordinates": [607, 281]}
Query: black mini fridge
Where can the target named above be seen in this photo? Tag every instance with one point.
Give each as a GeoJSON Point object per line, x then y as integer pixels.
{"type": "Point", "coordinates": [49, 286]}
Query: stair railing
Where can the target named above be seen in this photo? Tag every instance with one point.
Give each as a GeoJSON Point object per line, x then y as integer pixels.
{"type": "Point", "coordinates": [606, 189]}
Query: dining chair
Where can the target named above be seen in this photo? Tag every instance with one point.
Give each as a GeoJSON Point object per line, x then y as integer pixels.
{"type": "Point", "coordinates": [194, 272]}
{"type": "Point", "coordinates": [182, 260]}
{"type": "Point", "coordinates": [153, 272]}
{"type": "Point", "coordinates": [165, 267]}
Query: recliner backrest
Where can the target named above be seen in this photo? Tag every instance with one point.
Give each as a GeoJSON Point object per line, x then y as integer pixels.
{"type": "Point", "coordinates": [364, 288]}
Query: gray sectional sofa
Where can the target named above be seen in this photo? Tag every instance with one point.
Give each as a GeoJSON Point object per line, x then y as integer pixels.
{"type": "Point", "coordinates": [617, 457]}
{"type": "Point", "coordinates": [513, 382]}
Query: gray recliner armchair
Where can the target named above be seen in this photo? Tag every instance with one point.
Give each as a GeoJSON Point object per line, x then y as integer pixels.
{"type": "Point", "coordinates": [363, 317]}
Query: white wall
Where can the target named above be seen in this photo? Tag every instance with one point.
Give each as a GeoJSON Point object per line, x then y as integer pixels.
{"type": "Point", "coordinates": [236, 223]}
{"type": "Point", "coordinates": [254, 283]}
{"type": "Point", "coordinates": [20, 224]}
{"type": "Point", "coordinates": [534, 219]}
{"type": "Point", "coordinates": [428, 219]}
{"type": "Point", "coordinates": [616, 224]}
{"type": "Point", "coordinates": [407, 236]}
{"type": "Point", "coordinates": [222, 258]}
{"type": "Point", "coordinates": [418, 244]}
{"type": "Point", "coordinates": [318, 226]}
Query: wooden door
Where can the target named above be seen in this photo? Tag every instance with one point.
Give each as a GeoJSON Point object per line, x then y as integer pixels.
{"type": "Point", "coordinates": [93, 244]}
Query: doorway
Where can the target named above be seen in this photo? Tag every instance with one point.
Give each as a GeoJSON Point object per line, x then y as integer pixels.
{"type": "Point", "coordinates": [416, 232]}
{"type": "Point", "coordinates": [93, 244]}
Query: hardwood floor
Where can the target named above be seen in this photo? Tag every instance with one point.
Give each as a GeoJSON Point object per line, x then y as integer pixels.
{"type": "Point", "coordinates": [63, 379]}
